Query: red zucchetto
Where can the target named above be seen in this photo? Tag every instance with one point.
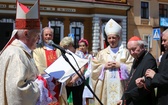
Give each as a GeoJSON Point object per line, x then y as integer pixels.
{"type": "Point", "coordinates": [134, 38]}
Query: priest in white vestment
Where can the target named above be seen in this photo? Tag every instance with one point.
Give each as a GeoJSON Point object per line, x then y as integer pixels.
{"type": "Point", "coordinates": [18, 81]}
{"type": "Point", "coordinates": [44, 55]}
{"type": "Point", "coordinates": [111, 67]}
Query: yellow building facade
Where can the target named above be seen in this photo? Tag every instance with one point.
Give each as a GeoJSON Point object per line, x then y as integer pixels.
{"type": "Point", "coordinates": [78, 18]}
{"type": "Point", "coordinates": [144, 17]}
{"type": "Point", "coordinates": [87, 19]}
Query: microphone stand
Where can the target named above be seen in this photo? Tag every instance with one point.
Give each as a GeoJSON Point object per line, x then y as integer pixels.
{"type": "Point", "coordinates": [83, 79]}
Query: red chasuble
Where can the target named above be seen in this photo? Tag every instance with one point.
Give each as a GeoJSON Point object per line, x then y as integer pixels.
{"type": "Point", "coordinates": [51, 57]}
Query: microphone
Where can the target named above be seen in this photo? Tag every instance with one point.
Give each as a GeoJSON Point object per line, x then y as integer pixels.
{"type": "Point", "coordinates": [50, 42]}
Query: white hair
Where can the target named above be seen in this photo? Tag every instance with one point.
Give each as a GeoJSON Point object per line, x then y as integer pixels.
{"type": "Point", "coordinates": [47, 28]}
{"type": "Point", "coordinates": [20, 32]}
{"type": "Point", "coordinates": [165, 32]}
{"type": "Point", "coordinates": [142, 43]}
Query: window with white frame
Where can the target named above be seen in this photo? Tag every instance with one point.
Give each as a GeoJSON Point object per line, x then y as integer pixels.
{"type": "Point", "coordinates": [58, 28]}
{"type": "Point", "coordinates": [77, 29]}
{"type": "Point", "coordinates": [148, 40]}
{"type": "Point", "coordinates": [6, 25]}
{"type": "Point", "coordinates": [163, 10]}
{"type": "Point", "coordinates": [144, 10]}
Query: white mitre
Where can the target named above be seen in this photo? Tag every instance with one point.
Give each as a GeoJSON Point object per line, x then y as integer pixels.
{"type": "Point", "coordinates": [112, 27]}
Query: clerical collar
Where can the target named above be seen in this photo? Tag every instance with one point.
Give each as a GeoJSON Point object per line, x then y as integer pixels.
{"type": "Point", "coordinates": [142, 54]}
{"type": "Point", "coordinates": [115, 50]}
{"type": "Point", "coordinates": [25, 46]}
{"type": "Point", "coordinates": [139, 59]}
{"type": "Point", "coordinates": [48, 47]}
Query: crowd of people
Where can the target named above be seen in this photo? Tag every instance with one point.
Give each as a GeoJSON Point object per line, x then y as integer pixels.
{"type": "Point", "coordinates": [118, 74]}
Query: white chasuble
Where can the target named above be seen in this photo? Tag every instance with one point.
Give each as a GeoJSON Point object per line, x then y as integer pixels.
{"type": "Point", "coordinates": [107, 84]}
{"type": "Point", "coordinates": [114, 85]}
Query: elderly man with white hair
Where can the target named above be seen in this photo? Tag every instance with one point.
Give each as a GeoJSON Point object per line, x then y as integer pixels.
{"type": "Point", "coordinates": [18, 80]}
{"type": "Point", "coordinates": [135, 94]}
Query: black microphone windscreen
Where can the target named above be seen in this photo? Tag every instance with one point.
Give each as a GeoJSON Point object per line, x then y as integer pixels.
{"type": "Point", "coordinates": [50, 42]}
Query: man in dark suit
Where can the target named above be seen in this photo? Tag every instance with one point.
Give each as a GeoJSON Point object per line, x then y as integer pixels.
{"type": "Point", "coordinates": [160, 79]}
{"type": "Point", "coordinates": [143, 60]}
